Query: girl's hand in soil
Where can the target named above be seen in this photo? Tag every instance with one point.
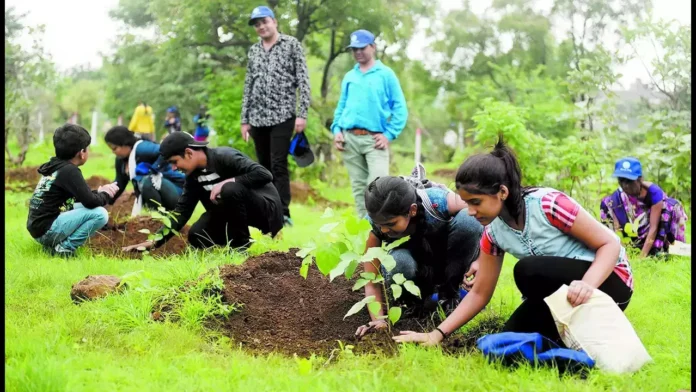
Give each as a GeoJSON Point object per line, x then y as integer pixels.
{"type": "Point", "coordinates": [143, 246]}
{"type": "Point", "coordinates": [426, 339]}
{"type": "Point", "coordinates": [364, 329]}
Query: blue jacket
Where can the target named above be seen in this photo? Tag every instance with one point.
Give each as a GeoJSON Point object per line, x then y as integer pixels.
{"type": "Point", "coordinates": [147, 152]}
{"type": "Point", "coordinates": [372, 100]}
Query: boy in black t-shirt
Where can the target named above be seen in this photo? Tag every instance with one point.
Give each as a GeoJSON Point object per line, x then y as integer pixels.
{"type": "Point", "coordinates": [63, 211]}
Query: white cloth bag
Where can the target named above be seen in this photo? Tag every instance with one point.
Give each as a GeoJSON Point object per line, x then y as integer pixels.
{"type": "Point", "coordinates": [601, 329]}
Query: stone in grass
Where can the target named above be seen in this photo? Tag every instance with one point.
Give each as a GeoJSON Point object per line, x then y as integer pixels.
{"type": "Point", "coordinates": [95, 286]}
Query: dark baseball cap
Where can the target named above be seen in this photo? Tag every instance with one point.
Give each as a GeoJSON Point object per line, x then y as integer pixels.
{"type": "Point", "coordinates": [176, 143]}
{"type": "Point", "coordinates": [300, 150]}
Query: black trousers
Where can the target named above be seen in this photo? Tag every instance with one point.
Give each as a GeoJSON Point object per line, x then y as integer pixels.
{"type": "Point", "coordinates": [272, 145]}
{"type": "Point", "coordinates": [228, 223]}
{"type": "Point", "coordinates": [538, 277]}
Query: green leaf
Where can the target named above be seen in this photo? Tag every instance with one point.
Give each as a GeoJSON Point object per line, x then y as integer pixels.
{"type": "Point", "coordinates": [360, 283]}
{"type": "Point", "coordinates": [304, 252]}
{"type": "Point", "coordinates": [327, 228]}
{"type": "Point", "coordinates": [412, 288]}
{"type": "Point", "coordinates": [396, 243]}
{"type": "Point", "coordinates": [355, 226]}
{"type": "Point", "coordinates": [328, 213]}
{"type": "Point", "coordinates": [162, 209]}
{"type": "Point", "coordinates": [628, 229]}
{"type": "Point", "coordinates": [359, 305]}
{"type": "Point", "coordinates": [156, 215]}
{"type": "Point", "coordinates": [388, 262]}
{"type": "Point", "coordinates": [394, 314]}
{"type": "Point", "coordinates": [399, 278]}
{"type": "Point", "coordinates": [165, 231]}
{"type": "Point", "coordinates": [346, 260]}
{"type": "Point", "coordinates": [368, 275]}
{"type": "Point", "coordinates": [304, 269]}
{"type": "Point", "coordinates": [144, 231]}
{"type": "Point", "coordinates": [396, 291]}
{"type": "Point", "coordinates": [350, 270]}
{"type": "Point", "coordinates": [374, 307]}
{"type": "Point", "coordinates": [327, 257]}
{"type": "Point", "coordinates": [167, 222]}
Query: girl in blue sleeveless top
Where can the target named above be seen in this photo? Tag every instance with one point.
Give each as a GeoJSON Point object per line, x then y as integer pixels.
{"type": "Point", "coordinates": [444, 239]}
{"type": "Point", "coordinates": [556, 241]}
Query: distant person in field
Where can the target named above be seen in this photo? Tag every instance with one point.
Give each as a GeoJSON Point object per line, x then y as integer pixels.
{"type": "Point", "coordinates": [172, 123]}
{"type": "Point", "coordinates": [235, 191]}
{"type": "Point", "coordinates": [556, 241]}
{"type": "Point", "coordinates": [139, 162]}
{"type": "Point", "coordinates": [202, 122]}
{"type": "Point", "coordinates": [371, 113]}
{"type": "Point", "coordinates": [142, 122]}
{"type": "Point", "coordinates": [63, 211]}
{"type": "Point", "coordinates": [444, 240]}
{"type": "Point", "coordinates": [271, 110]}
{"type": "Point", "coordinates": [657, 219]}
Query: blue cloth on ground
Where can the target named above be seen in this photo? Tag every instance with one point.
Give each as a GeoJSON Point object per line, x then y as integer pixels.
{"type": "Point", "coordinates": [532, 348]}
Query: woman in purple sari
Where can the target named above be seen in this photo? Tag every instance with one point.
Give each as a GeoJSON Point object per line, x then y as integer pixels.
{"type": "Point", "coordinates": [657, 220]}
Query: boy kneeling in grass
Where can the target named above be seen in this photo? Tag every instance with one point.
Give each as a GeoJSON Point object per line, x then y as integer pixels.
{"type": "Point", "coordinates": [235, 191]}
{"type": "Point", "coordinates": [63, 211]}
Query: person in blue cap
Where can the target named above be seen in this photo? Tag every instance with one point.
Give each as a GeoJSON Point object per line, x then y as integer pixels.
{"type": "Point", "coordinates": [276, 71]}
{"type": "Point", "coordinates": [656, 219]}
{"type": "Point", "coordinates": [371, 113]}
{"type": "Point", "coordinates": [172, 123]}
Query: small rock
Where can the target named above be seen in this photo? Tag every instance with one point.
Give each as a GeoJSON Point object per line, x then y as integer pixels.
{"type": "Point", "coordinates": [95, 286]}
{"type": "Point", "coordinates": [157, 316]}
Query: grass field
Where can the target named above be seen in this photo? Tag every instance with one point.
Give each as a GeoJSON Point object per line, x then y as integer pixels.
{"type": "Point", "coordinates": [112, 344]}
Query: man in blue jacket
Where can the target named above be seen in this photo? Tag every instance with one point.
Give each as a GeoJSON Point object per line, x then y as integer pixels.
{"type": "Point", "coordinates": [371, 113]}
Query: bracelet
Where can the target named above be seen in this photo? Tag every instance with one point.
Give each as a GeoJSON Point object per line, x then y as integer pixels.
{"type": "Point", "coordinates": [444, 335]}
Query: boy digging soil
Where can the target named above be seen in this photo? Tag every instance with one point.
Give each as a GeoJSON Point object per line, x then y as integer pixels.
{"type": "Point", "coordinates": [63, 211]}
{"type": "Point", "coordinates": [235, 191]}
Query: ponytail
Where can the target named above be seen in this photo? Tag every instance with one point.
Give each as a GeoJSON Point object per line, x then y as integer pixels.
{"type": "Point", "coordinates": [486, 173]}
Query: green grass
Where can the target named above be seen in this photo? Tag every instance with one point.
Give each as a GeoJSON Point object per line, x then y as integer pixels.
{"type": "Point", "coordinates": [111, 344]}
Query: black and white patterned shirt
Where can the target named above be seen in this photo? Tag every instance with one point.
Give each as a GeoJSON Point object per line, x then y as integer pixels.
{"type": "Point", "coordinates": [271, 83]}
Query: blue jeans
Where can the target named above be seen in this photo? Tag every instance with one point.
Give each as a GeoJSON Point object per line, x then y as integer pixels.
{"type": "Point", "coordinates": [463, 237]}
{"type": "Point", "coordinates": [72, 228]}
{"type": "Point", "coordinates": [167, 196]}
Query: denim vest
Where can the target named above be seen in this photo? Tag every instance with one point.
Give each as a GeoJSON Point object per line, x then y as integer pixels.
{"type": "Point", "coordinates": [539, 237]}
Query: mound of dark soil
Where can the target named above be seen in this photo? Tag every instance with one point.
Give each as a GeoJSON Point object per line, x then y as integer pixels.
{"type": "Point", "coordinates": [23, 179]}
{"type": "Point", "coordinates": [301, 192]}
{"type": "Point", "coordinates": [282, 312]}
{"type": "Point", "coordinates": [111, 239]}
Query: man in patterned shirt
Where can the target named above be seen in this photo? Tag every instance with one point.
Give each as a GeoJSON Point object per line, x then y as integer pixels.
{"type": "Point", "coordinates": [276, 69]}
{"type": "Point", "coordinates": [370, 114]}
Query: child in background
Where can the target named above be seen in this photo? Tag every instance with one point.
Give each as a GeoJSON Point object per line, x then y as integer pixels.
{"type": "Point", "coordinates": [172, 123]}
{"type": "Point", "coordinates": [202, 127]}
{"type": "Point", "coordinates": [63, 211]}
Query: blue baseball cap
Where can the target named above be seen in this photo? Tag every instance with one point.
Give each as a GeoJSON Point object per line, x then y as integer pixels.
{"type": "Point", "coordinates": [360, 39]}
{"type": "Point", "coordinates": [260, 12]}
{"type": "Point", "coordinates": [628, 168]}
{"type": "Point", "coordinates": [300, 150]}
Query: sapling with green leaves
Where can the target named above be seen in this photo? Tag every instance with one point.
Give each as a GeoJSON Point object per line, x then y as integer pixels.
{"type": "Point", "coordinates": [163, 216]}
{"type": "Point", "coordinates": [336, 252]}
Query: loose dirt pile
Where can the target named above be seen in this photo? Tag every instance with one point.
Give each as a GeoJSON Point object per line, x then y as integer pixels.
{"type": "Point", "coordinates": [95, 182]}
{"type": "Point", "coordinates": [302, 193]}
{"type": "Point", "coordinates": [282, 312]}
{"type": "Point", "coordinates": [111, 239]}
{"type": "Point", "coordinates": [23, 179]}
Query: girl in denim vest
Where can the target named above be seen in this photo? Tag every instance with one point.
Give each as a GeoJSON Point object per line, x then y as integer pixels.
{"type": "Point", "coordinates": [556, 241]}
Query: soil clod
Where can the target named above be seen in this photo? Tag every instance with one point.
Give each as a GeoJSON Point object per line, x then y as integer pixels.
{"type": "Point", "coordinates": [95, 286]}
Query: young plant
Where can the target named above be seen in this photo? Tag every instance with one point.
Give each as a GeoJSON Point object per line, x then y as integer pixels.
{"type": "Point", "coordinates": [337, 252]}
{"type": "Point", "coordinates": [163, 216]}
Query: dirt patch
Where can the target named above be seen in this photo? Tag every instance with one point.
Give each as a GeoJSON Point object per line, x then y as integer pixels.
{"type": "Point", "coordinates": [282, 312]}
{"type": "Point", "coordinates": [303, 193]}
{"type": "Point", "coordinates": [95, 182]}
{"type": "Point", "coordinates": [446, 173]}
{"type": "Point", "coordinates": [23, 179]}
{"type": "Point", "coordinates": [111, 239]}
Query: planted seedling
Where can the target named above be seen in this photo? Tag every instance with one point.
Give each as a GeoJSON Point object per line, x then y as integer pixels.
{"type": "Point", "coordinates": [336, 251]}
{"type": "Point", "coordinates": [163, 216]}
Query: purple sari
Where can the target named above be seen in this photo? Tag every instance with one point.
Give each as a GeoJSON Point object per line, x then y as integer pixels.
{"type": "Point", "coordinates": [620, 208]}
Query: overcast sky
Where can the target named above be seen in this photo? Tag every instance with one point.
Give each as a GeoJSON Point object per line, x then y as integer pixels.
{"type": "Point", "coordinates": [78, 30]}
